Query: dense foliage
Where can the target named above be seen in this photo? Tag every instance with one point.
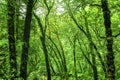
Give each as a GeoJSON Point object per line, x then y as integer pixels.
{"type": "Point", "coordinates": [59, 39]}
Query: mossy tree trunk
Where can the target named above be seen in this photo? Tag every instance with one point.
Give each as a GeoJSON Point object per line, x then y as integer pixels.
{"type": "Point", "coordinates": [26, 36]}
{"type": "Point", "coordinates": [11, 38]}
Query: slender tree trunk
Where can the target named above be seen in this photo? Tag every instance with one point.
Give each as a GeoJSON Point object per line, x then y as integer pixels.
{"type": "Point", "coordinates": [74, 53]}
{"type": "Point", "coordinates": [25, 48]}
{"type": "Point", "coordinates": [17, 19]}
{"type": "Point", "coordinates": [11, 38]}
{"type": "Point", "coordinates": [63, 59]}
{"type": "Point", "coordinates": [46, 57]}
{"type": "Point", "coordinates": [91, 45]}
{"type": "Point", "coordinates": [43, 40]}
{"type": "Point", "coordinates": [109, 41]}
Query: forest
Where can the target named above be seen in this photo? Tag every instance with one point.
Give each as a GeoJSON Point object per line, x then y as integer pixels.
{"type": "Point", "coordinates": [59, 39]}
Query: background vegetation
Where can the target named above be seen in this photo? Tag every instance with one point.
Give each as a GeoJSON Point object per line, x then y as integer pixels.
{"type": "Point", "coordinates": [59, 39]}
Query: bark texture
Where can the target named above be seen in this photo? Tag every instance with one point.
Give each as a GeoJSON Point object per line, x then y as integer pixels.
{"type": "Point", "coordinates": [26, 36]}
{"type": "Point", "coordinates": [11, 38]}
{"type": "Point", "coordinates": [109, 41]}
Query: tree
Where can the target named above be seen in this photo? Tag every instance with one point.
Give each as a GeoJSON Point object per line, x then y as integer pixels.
{"type": "Point", "coordinates": [91, 43]}
{"type": "Point", "coordinates": [65, 40]}
{"type": "Point", "coordinates": [17, 10]}
{"type": "Point", "coordinates": [26, 36]}
{"type": "Point", "coordinates": [43, 30]}
{"type": "Point", "coordinates": [109, 41]}
{"type": "Point", "coordinates": [11, 38]}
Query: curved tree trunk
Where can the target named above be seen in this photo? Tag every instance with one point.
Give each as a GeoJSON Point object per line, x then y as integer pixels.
{"type": "Point", "coordinates": [91, 46]}
{"type": "Point", "coordinates": [43, 40]}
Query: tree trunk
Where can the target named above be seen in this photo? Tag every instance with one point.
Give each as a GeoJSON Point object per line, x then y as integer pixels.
{"type": "Point", "coordinates": [43, 40]}
{"type": "Point", "coordinates": [74, 53]}
{"type": "Point", "coordinates": [25, 48]}
{"type": "Point", "coordinates": [17, 25]}
{"type": "Point", "coordinates": [91, 46]}
{"type": "Point", "coordinates": [11, 38]}
{"type": "Point", "coordinates": [46, 57]}
{"type": "Point", "coordinates": [109, 41]}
